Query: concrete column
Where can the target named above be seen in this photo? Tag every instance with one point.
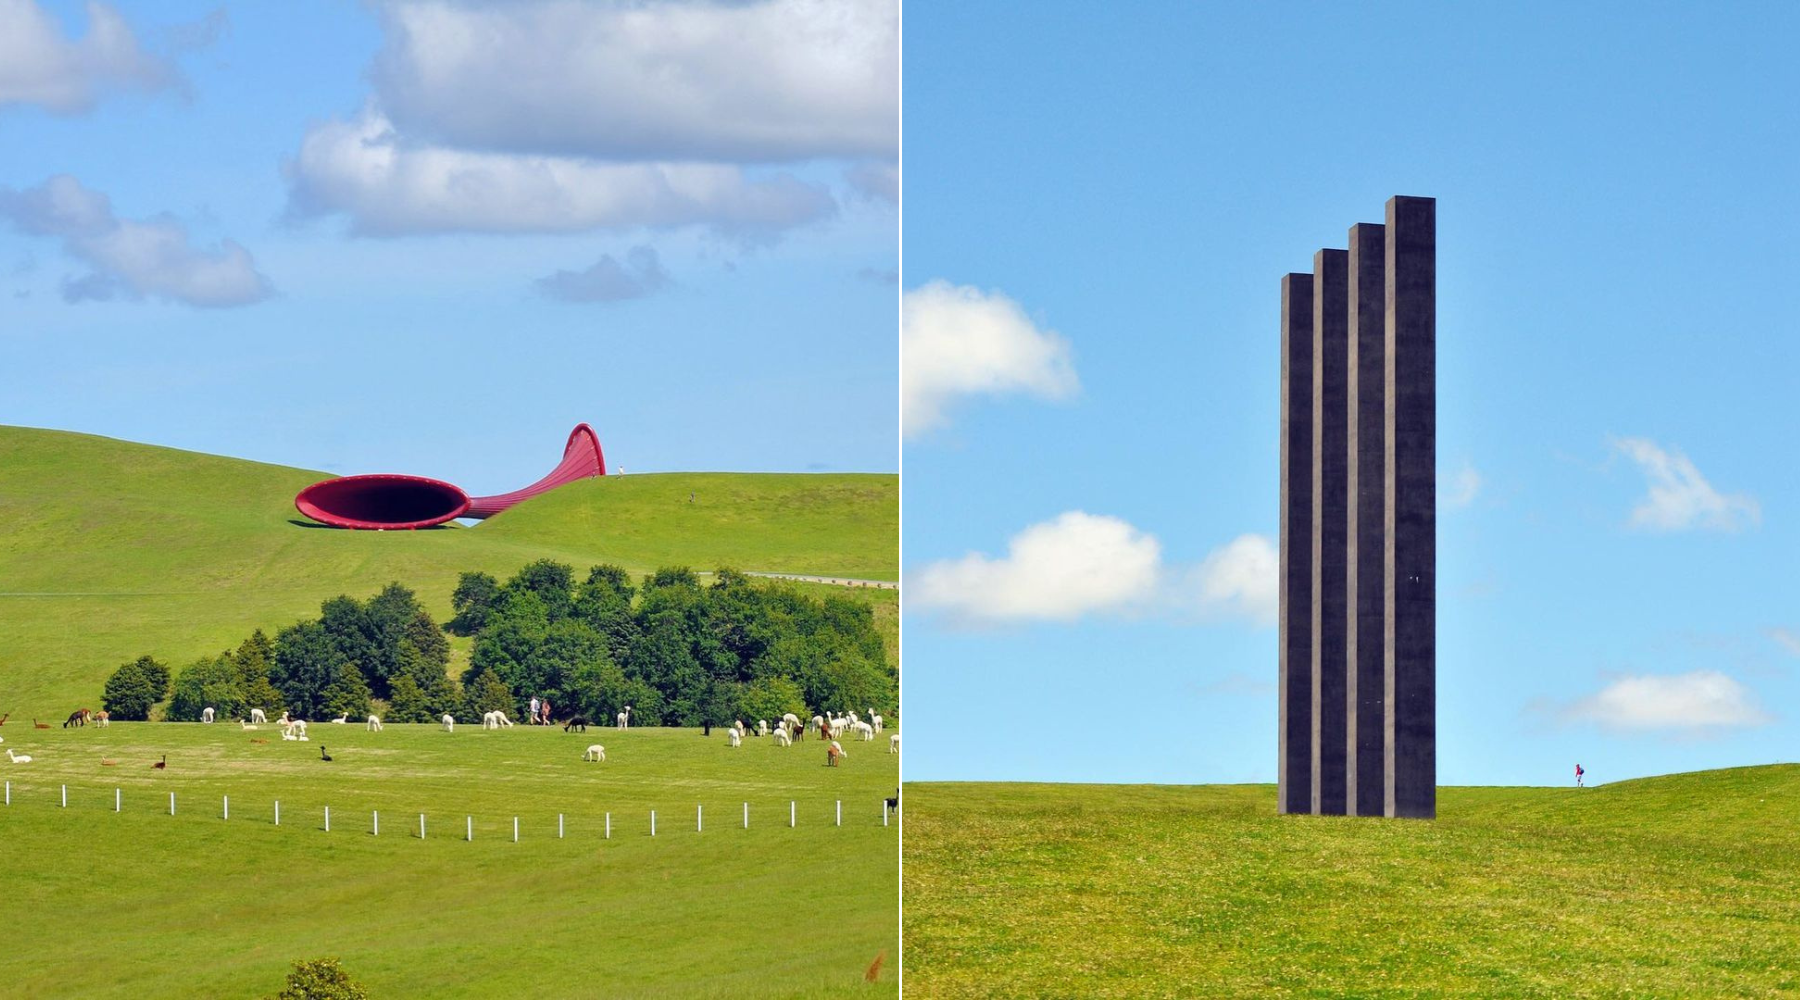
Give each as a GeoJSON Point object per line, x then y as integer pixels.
{"type": "Point", "coordinates": [1410, 510]}
{"type": "Point", "coordinates": [1294, 793]}
{"type": "Point", "coordinates": [1365, 591]}
{"type": "Point", "coordinates": [1330, 520]}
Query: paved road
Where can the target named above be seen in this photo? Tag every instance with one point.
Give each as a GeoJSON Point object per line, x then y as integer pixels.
{"type": "Point", "coordinates": [839, 581]}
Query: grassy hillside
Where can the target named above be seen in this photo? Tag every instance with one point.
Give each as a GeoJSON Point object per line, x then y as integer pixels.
{"type": "Point", "coordinates": [1680, 886]}
{"type": "Point", "coordinates": [142, 904]}
{"type": "Point", "coordinates": [110, 549]}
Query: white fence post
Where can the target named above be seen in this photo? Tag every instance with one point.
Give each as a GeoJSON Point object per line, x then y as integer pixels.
{"type": "Point", "coordinates": [375, 820]}
{"type": "Point", "coordinates": [840, 812]}
{"type": "Point", "coordinates": [277, 812]}
{"type": "Point", "coordinates": [699, 816]}
{"type": "Point", "coordinates": [171, 803]}
{"type": "Point", "coordinates": [65, 794]}
{"type": "Point", "coordinates": [609, 826]}
{"type": "Point", "coordinates": [421, 826]}
{"type": "Point", "coordinates": [746, 815]}
{"type": "Point", "coordinates": [118, 800]}
{"type": "Point", "coordinates": [327, 819]}
{"type": "Point", "coordinates": [883, 812]}
{"type": "Point", "coordinates": [559, 826]}
{"type": "Point", "coordinates": [471, 828]}
{"type": "Point", "coordinates": [225, 807]}
{"type": "Point", "coordinates": [9, 793]}
{"type": "Point", "coordinates": [652, 822]}
{"type": "Point", "coordinates": [790, 814]}
{"type": "Point", "coordinates": [515, 829]}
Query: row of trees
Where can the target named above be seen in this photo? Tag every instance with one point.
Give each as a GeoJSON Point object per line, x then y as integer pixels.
{"type": "Point", "coordinates": [678, 653]}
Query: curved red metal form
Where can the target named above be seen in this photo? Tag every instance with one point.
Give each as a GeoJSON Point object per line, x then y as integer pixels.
{"type": "Point", "coordinates": [387, 502]}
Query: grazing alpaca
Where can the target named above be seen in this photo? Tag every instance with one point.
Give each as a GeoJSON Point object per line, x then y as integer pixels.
{"type": "Point", "coordinates": [18, 758]}
{"type": "Point", "coordinates": [625, 718]}
{"type": "Point", "coordinates": [490, 720]}
{"type": "Point", "coordinates": [501, 716]}
{"type": "Point", "coordinates": [595, 753]}
{"type": "Point", "coordinates": [322, 754]}
{"type": "Point", "coordinates": [294, 730]}
{"type": "Point", "coordinates": [762, 727]}
{"type": "Point", "coordinates": [782, 739]}
{"type": "Point", "coordinates": [103, 718]}
{"type": "Point", "coordinates": [833, 754]}
{"type": "Point", "coordinates": [206, 715]}
{"type": "Point", "coordinates": [792, 720]}
{"type": "Point", "coordinates": [3, 718]}
{"type": "Point", "coordinates": [864, 731]}
{"type": "Point", "coordinates": [285, 719]}
{"type": "Point", "coordinates": [78, 717]}
{"type": "Point", "coordinates": [342, 718]}
{"type": "Point", "coordinates": [449, 723]}
{"type": "Point", "coordinates": [162, 765]}
{"type": "Point", "coordinates": [256, 715]}
{"type": "Point", "coordinates": [737, 740]}
{"type": "Point", "coordinates": [374, 723]}
{"type": "Point", "coordinates": [894, 743]}
{"type": "Point", "coordinates": [576, 722]}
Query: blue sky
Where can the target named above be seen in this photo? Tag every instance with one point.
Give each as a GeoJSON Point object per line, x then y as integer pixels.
{"type": "Point", "coordinates": [344, 236]}
{"type": "Point", "coordinates": [1100, 202]}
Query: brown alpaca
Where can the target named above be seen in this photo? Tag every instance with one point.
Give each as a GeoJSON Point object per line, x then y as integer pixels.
{"type": "Point", "coordinates": [40, 725]}
{"type": "Point", "coordinates": [874, 967]}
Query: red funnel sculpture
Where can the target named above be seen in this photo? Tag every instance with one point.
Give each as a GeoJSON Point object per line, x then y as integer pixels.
{"type": "Point", "coordinates": [387, 502]}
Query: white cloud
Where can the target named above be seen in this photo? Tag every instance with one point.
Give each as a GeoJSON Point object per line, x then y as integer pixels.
{"type": "Point", "coordinates": [132, 258]}
{"type": "Point", "coordinates": [67, 75]}
{"type": "Point", "coordinates": [608, 280]}
{"type": "Point", "coordinates": [392, 187]}
{"type": "Point", "coordinates": [1464, 486]}
{"type": "Point", "coordinates": [1787, 639]}
{"type": "Point", "coordinates": [1700, 701]}
{"type": "Point", "coordinates": [1679, 497]}
{"type": "Point", "coordinates": [1081, 564]}
{"type": "Point", "coordinates": [956, 340]}
{"type": "Point", "coordinates": [770, 81]}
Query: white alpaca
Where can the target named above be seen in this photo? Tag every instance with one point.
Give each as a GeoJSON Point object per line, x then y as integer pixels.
{"type": "Point", "coordinates": [839, 747]}
{"type": "Point", "coordinates": [18, 758]}
{"type": "Point", "coordinates": [489, 720]}
{"type": "Point", "coordinates": [762, 727]}
{"type": "Point", "coordinates": [449, 723]}
{"type": "Point", "coordinates": [875, 720]}
{"type": "Point", "coordinates": [782, 739]}
{"type": "Point", "coordinates": [595, 753]}
{"type": "Point", "coordinates": [737, 739]}
{"type": "Point", "coordinates": [294, 730]}
{"type": "Point", "coordinates": [864, 731]}
{"type": "Point", "coordinates": [501, 717]}
{"type": "Point", "coordinates": [625, 718]}
{"type": "Point", "coordinates": [793, 722]}
{"type": "Point", "coordinates": [288, 734]}
{"type": "Point", "coordinates": [837, 728]}
{"type": "Point", "coordinates": [247, 725]}
{"type": "Point", "coordinates": [285, 719]}
{"type": "Point", "coordinates": [818, 721]}
{"type": "Point", "coordinates": [342, 718]}
{"type": "Point", "coordinates": [256, 715]}
{"type": "Point", "coordinates": [206, 715]}
{"type": "Point", "coordinates": [374, 724]}
{"type": "Point", "coordinates": [894, 743]}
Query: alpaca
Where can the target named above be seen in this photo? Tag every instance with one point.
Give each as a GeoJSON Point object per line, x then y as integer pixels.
{"type": "Point", "coordinates": [18, 758]}
{"type": "Point", "coordinates": [103, 718]}
{"type": "Point", "coordinates": [595, 753]}
{"type": "Point", "coordinates": [374, 723]}
{"type": "Point", "coordinates": [737, 739]}
{"type": "Point", "coordinates": [625, 718]}
{"type": "Point", "coordinates": [894, 743]}
{"type": "Point", "coordinates": [449, 723]}
{"type": "Point", "coordinates": [162, 765]}
{"type": "Point", "coordinates": [501, 718]}
{"type": "Point", "coordinates": [490, 720]}
{"type": "Point", "coordinates": [206, 715]}
{"type": "Point", "coordinates": [247, 726]}
{"type": "Point", "coordinates": [864, 731]}
{"type": "Point", "coordinates": [875, 720]}
{"type": "Point", "coordinates": [762, 727]}
{"type": "Point", "coordinates": [295, 729]}
{"type": "Point", "coordinates": [288, 734]}
{"type": "Point", "coordinates": [285, 719]}
{"type": "Point", "coordinates": [792, 720]}
{"type": "Point", "coordinates": [108, 762]}
{"type": "Point", "coordinates": [259, 741]}
{"type": "Point", "coordinates": [256, 715]}
{"type": "Point", "coordinates": [342, 718]}
{"type": "Point", "coordinates": [3, 718]}
{"type": "Point", "coordinates": [78, 717]}
{"type": "Point", "coordinates": [576, 722]}
{"type": "Point", "coordinates": [833, 754]}
{"type": "Point", "coordinates": [35, 724]}
{"type": "Point", "coordinates": [782, 739]}
{"type": "Point", "coordinates": [322, 754]}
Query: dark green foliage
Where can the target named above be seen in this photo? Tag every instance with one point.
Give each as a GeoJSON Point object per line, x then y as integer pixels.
{"type": "Point", "coordinates": [321, 979]}
{"type": "Point", "coordinates": [389, 618]}
{"type": "Point", "coordinates": [134, 689]}
{"type": "Point", "coordinates": [427, 675]}
{"type": "Point", "coordinates": [488, 693]}
{"type": "Point", "coordinates": [253, 658]}
{"type": "Point", "coordinates": [348, 695]}
{"type": "Point", "coordinates": [771, 698]}
{"type": "Point", "coordinates": [408, 703]}
{"type": "Point", "coordinates": [307, 661]}
{"type": "Point", "coordinates": [475, 596]}
{"type": "Point", "coordinates": [216, 683]}
{"type": "Point", "coordinates": [428, 639]}
{"type": "Point", "coordinates": [551, 582]}
{"type": "Point", "coordinates": [671, 576]}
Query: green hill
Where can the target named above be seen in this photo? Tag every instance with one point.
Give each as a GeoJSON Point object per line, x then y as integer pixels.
{"type": "Point", "coordinates": [1680, 886]}
{"type": "Point", "coordinates": [110, 549]}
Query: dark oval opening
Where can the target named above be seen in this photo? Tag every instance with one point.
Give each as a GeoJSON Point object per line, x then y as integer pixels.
{"type": "Point", "coordinates": [382, 501]}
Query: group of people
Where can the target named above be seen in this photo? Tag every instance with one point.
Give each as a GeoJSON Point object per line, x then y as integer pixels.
{"type": "Point", "coordinates": [540, 711]}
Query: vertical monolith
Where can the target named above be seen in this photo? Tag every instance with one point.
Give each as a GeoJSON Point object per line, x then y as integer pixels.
{"type": "Point", "coordinates": [1330, 478]}
{"type": "Point", "coordinates": [1410, 508]}
{"type": "Point", "coordinates": [1294, 792]}
{"type": "Point", "coordinates": [1365, 590]}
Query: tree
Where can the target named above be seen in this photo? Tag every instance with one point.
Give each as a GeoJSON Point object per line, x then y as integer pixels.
{"type": "Point", "coordinates": [428, 639]}
{"type": "Point", "coordinates": [158, 672]}
{"type": "Point", "coordinates": [348, 695]}
{"type": "Point", "coordinates": [253, 658]}
{"type": "Point", "coordinates": [475, 595]}
{"type": "Point", "coordinates": [321, 979]}
{"type": "Point", "coordinates": [771, 698]}
{"type": "Point", "coordinates": [408, 703]}
{"type": "Point", "coordinates": [214, 683]}
{"type": "Point", "coordinates": [671, 576]}
{"type": "Point", "coordinates": [307, 661]}
{"type": "Point", "coordinates": [488, 693]}
{"type": "Point", "coordinates": [133, 689]}
{"type": "Point", "coordinates": [551, 581]}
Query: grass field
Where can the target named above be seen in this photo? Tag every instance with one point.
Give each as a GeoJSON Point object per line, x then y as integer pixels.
{"type": "Point", "coordinates": [1680, 886]}
{"type": "Point", "coordinates": [110, 549]}
{"type": "Point", "coordinates": [143, 904]}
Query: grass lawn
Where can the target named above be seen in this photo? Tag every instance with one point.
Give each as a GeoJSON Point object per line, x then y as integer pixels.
{"type": "Point", "coordinates": [143, 904]}
{"type": "Point", "coordinates": [1681, 886]}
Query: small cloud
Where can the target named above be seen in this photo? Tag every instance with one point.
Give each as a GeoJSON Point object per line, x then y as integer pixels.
{"type": "Point", "coordinates": [879, 275]}
{"type": "Point", "coordinates": [956, 340]}
{"type": "Point", "coordinates": [879, 181]}
{"type": "Point", "coordinates": [132, 258]}
{"type": "Point", "coordinates": [607, 280]}
{"type": "Point", "coordinates": [67, 76]}
{"type": "Point", "coordinates": [1787, 639]}
{"type": "Point", "coordinates": [1240, 580]}
{"type": "Point", "coordinates": [1464, 487]}
{"type": "Point", "coordinates": [1057, 570]}
{"type": "Point", "coordinates": [1696, 703]}
{"type": "Point", "coordinates": [1680, 498]}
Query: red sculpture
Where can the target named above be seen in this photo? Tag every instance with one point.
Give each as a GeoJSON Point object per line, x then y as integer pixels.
{"type": "Point", "coordinates": [384, 501]}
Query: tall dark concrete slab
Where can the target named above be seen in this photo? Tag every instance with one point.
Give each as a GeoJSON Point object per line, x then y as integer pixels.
{"type": "Point", "coordinates": [1365, 590]}
{"type": "Point", "coordinates": [1330, 472]}
{"type": "Point", "coordinates": [1294, 794]}
{"type": "Point", "coordinates": [1410, 508]}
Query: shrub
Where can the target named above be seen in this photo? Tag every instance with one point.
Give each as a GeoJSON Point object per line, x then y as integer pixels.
{"type": "Point", "coordinates": [321, 979]}
{"type": "Point", "coordinates": [133, 689]}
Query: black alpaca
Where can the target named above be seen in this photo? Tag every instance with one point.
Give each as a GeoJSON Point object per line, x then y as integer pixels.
{"type": "Point", "coordinates": [322, 754]}
{"type": "Point", "coordinates": [894, 803]}
{"type": "Point", "coordinates": [576, 722]}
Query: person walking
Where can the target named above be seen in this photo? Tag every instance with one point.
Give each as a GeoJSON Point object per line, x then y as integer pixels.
{"type": "Point", "coordinates": [534, 710]}
{"type": "Point", "coordinates": [1578, 773]}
